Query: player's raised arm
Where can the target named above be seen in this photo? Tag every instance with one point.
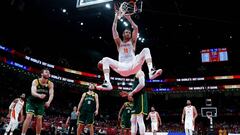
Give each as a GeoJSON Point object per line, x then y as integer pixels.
{"type": "Point", "coordinates": [135, 30]}
{"type": "Point", "coordinates": [114, 31]}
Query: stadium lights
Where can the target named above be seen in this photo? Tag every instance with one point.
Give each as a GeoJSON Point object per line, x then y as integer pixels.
{"type": "Point", "coordinates": [125, 23]}
{"type": "Point", "coordinates": [64, 10]}
{"type": "Point", "coordinates": [108, 6]}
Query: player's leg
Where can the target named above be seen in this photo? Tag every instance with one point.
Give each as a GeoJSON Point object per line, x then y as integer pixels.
{"type": "Point", "coordinates": [190, 132]}
{"type": "Point", "coordinates": [39, 115]}
{"type": "Point", "coordinates": [145, 55]}
{"type": "Point", "coordinates": [154, 127]}
{"type": "Point", "coordinates": [81, 122]}
{"type": "Point", "coordinates": [133, 124]}
{"type": "Point", "coordinates": [91, 129]}
{"type": "Point", "coordinates": [26, 123]}
{"type": "Point", "coordinates": [38, 124]}
{"type": "Point", "coordinates": [141, 124]}
{"type": "Point", "coordinates": [80, 128]}
{"type": "Point", "coordinates": [30, 110]}
{"type": "Point", "coordinates": [90, 122]}
{"type": "Point", "coordinates": [14, 126]}
{"type": "Point", "coordinates": [8, 127]}
{"type": "Point", "coordinates": [106, 63]}
{"type": "Point", "coordinates": [186, 131]}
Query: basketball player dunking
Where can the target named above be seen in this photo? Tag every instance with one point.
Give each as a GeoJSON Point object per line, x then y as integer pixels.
{"type": "Point", "coordinates": [190, 114]}
{"type": "Point", "coordinates": [128, 63]}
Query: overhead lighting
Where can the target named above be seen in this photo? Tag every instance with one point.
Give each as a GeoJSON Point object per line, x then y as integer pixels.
{"type": "Point", "coordinates": [125, 24]}
{"type": "Point", "coordinates": [108, 6]}
{"type": "Point", "coordinates": [81, 23]}
{"type": "Point", "coordinates": [64, 10]}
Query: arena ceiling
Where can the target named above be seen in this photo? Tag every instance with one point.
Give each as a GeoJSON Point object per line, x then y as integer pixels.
{"type": "Point", "coordinates": [174, 30]}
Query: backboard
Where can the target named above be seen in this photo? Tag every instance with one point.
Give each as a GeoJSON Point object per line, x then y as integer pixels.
{"type": "Point", "coordinates": [212, 111]}
{"type": "Point", "coordinates": [85, 3]}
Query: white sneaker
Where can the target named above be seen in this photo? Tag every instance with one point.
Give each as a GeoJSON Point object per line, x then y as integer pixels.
{"type": "Point", "coordinates": [154, 73]}
{"type": "Point", "coordinates": [105, 86]}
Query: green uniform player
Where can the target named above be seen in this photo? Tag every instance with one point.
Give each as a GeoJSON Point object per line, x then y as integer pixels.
{"type": "Point", "coordinates": [41, 96]}
{"type": "Point", "coordinates": [124, 115]}
{"type": "Point", "coordinates": [140, 104]}
{"type": "Point", "coordinates": [34, 104]}
{"type": "Point", "coordinates": [87, 109]}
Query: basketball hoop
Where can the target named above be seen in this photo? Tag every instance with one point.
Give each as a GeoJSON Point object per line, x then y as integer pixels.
{"type": "Point", "coordinates": [125, 8]}
{"type": "Point", "coordinates": [209, 115]}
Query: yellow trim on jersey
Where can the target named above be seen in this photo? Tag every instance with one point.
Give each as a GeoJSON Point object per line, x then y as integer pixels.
{"type": "Point", "coordinates": [30, 113]}
{"type": "Point", "coordinates": [93, 94]}
{"type": "Point", "coordinates": [142, 107]}
{"type": "Point", "coordinates": [39, 116]}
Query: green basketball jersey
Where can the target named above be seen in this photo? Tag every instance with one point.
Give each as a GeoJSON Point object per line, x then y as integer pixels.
{"type": "Point", "coordinates": [89, 103]}
{"type": "Point", "coordinates": [41, 89]}
{"type": "Point", "coordinates": [126, 113]}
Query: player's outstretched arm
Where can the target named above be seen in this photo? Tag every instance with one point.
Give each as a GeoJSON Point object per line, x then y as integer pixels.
{"type": "Point", "coordinates": [114, 31]}
{"type": "Point", "coordinates": [135, 30]}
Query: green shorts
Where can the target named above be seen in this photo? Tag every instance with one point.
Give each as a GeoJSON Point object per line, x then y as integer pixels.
{"type": "Point", "coordinates": [86, 118]}
{"type": "Point", "coordinates": [35, 108]}
{"type": "Point", "coordinates": [125, 123]}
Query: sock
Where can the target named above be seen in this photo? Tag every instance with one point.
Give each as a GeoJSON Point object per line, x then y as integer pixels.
{"type": "Point", "coordinates": [150, 66]}
{"type": "Point", "coordinates": [106, 76]}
